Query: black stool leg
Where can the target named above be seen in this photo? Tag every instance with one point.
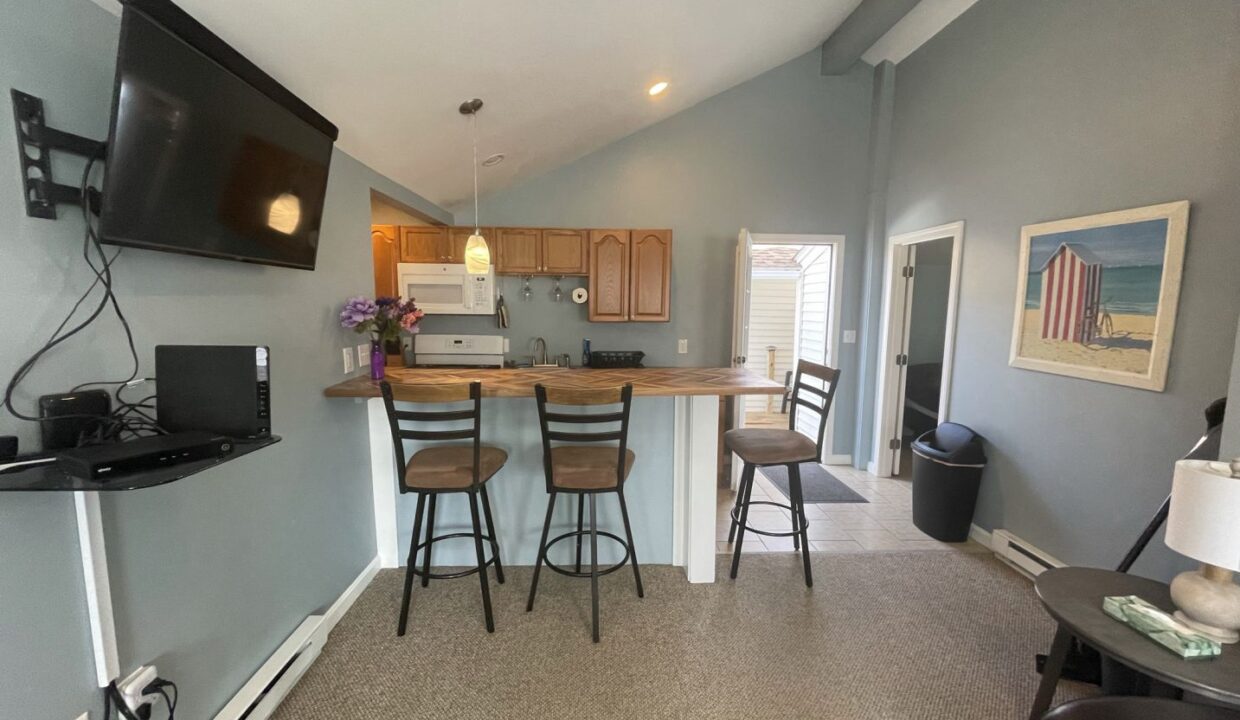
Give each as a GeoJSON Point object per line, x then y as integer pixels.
{"type": "Point", "coordinates": [798, 511]}
{"type": "Point", "coordinates": [410, 564]}
{"type": "Point", "coordinates": [736, 506]}
{"type": "Point", "coordinates": [796, 533]}
{"type": "Point", "coordinates": [594, 566]}
{"type": "Point", "coordinates": [747, 484]}
{"type": "Point", "coordinates": [628, 532]}
{"type": "Point", "coordinates": [542, 552]}
{"type": "Point", "coordinates": [482, 571]}
{"type": "Point", "coordinates": [486, 514]}
{"type": "Point", "coordinates": [430, 534]}
{"type": "Point", "coordinates": [581, 513]}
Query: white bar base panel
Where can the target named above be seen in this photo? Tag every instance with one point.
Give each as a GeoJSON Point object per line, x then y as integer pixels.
{"type": "Point", "coordinates": [696, 469]}
{"type": "Point", "coordinates": [383, 483]}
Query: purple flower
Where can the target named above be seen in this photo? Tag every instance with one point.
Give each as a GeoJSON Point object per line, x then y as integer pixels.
{"type": "Point", "coordinates": [358, 310]}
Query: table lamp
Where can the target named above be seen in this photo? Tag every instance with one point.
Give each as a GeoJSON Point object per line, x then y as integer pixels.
{"type": "Point", "coordinates": [1204, 525]}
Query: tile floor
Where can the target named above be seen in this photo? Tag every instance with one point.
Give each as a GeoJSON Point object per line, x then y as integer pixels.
{"type": "Point", "coordinates": [885, 523]}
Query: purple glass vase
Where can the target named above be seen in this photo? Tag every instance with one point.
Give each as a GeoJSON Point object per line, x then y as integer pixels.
{"type": "Point", "coordinates": [377, 360]}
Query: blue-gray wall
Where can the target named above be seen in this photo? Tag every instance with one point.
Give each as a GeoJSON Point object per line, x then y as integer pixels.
{"type": "Point", "coordinates": [208, 574]}
{"type": "Point", "coordinates": [1021, 112]}
{"type": "Point", "coordinates": [782, 153]}
{"type": "Point", "coordinates": [1231, 429]}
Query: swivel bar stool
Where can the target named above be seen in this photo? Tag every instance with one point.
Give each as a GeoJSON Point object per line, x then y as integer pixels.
{"type": "Point", "coordinates": [439, 469]}
{"type": "Point", "coordinates": [586, 471]}
{"type": "Point", "coordinates": [763, 447]}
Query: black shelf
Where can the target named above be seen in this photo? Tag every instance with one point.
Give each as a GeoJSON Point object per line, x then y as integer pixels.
{"type": "Point", "coordinates": [50, 478]}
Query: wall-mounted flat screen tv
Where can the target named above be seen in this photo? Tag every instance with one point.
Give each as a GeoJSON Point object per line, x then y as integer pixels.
{"type": "Point", "coordinates": [207, 154]}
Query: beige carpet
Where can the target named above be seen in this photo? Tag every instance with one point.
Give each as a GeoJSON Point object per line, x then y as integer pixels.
{"type": "Point", "coordinates": [898, 635]}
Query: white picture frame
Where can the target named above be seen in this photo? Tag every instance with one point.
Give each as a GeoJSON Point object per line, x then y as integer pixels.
{"type": "Point", "coordinates": [1130, 262]}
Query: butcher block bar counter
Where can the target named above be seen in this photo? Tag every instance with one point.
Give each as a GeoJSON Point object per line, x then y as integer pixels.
{"type": "Point", "coordinates": [671, 490]}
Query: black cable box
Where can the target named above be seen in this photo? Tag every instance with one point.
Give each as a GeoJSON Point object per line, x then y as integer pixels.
{"type": "Point", "coordinates": [102, 462]}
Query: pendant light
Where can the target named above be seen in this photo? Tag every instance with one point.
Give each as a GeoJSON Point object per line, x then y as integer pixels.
{"type": "Point", "coordinates": [477, 254]}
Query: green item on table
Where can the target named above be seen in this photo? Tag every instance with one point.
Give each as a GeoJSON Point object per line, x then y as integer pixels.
{"type": "Point", "coordinates": [1160, 627]}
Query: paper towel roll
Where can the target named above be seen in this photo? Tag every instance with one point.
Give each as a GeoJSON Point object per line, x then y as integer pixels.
{"type": "Point", "coordinates": [580, 295]}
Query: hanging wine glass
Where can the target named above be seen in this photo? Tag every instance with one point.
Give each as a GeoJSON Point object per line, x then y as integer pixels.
{"type": "Point", "coordinates": [558, 294]}
{"type": "Point", "coordinates": [526, 292]}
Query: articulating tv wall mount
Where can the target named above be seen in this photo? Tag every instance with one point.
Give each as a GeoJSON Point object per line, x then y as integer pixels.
{"type": "Point", "coordinates": [35, 141]}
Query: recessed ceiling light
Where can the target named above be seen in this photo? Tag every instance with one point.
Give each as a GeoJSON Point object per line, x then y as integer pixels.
{"type": "Point", "coordinates": [657, 87]}
{"type": "Point", "coordinates": [494, 160]}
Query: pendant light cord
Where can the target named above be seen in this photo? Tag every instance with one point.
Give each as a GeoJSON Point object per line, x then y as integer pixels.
{"type": "Point", "coordinates": [473, 130]}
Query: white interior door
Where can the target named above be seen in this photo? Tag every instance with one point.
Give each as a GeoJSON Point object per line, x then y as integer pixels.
{"type": "Point", "coordinates": [904, 258]}
{"type": "Point", "coordinates": [740, 330]}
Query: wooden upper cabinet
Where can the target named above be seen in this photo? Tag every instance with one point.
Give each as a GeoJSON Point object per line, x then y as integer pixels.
{"type": "Point", "coordinates": [519, 251]}
{"type": "Point", "coordinates": [458, 236]}
{"type": "Point", "coordinates": [385, 252]}
{"type": "Point", "coordinates": [650, 276]}
{"type": "Point", "coordinates": [423, 244]}
{"type": "Point", "coordinates": [565, 252]}
{"type": "Point", "coordinates": [609, 275]}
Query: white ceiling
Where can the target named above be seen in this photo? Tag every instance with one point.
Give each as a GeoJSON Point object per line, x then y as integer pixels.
{"type": "Point", "coordinates": [560, 78]}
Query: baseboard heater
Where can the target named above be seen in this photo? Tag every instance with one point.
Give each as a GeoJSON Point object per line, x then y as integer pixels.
{"type": "Point", "coordinates": [1023, 557]}
{"type": "Point", "coordinates": [258, 698]}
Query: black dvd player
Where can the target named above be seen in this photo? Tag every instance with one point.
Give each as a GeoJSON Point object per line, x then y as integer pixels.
{"type": "Point", "coordinates": [101, 462]}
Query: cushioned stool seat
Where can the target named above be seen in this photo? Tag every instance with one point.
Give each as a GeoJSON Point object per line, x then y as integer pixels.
{"type": "Point", "coordinates": [590, 467]}
{"type": "Point", "coordinates": [770, 446]}
{"type": "Point", "coordinates": [452, 466]}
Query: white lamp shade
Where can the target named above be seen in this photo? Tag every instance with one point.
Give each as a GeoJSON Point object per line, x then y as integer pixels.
{"type": "Point", "coordinates": [1204, 522]}
{"type": "Point", "coordinates": [477, 255]}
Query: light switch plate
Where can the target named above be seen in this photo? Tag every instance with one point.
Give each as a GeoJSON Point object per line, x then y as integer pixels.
{"type": "Point", "coordinates": [348, 360]}
{"type": "Point", "coordinates": [363, 355]}
{"type": "Point", "coordinates": [850, 337]}
{"type": "Point", "coordinates": [682, 346]}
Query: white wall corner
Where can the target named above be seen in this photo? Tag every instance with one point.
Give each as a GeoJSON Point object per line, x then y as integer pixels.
{"type": "Point", "coordinates": [915, 29]}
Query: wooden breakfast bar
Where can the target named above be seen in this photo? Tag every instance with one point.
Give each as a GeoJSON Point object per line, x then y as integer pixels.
{"type": "Point", "coordinates": [671, 492]}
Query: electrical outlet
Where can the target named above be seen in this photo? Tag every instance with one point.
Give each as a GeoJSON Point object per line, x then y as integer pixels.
{"type": "Point", "coordinates": [348, 360]}
{"type": "Point", "coordinates": [850, 337]}
{"type": "Point", "coordinates": [131, 688]}
{"type": "Point", "coordinates": [682, 346]}
{"type": "Point", "coordinates": [363, 355]}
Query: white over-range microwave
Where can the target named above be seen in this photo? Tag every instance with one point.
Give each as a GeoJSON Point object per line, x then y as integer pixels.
{"type": "Point", "coordinates": [447, 289]}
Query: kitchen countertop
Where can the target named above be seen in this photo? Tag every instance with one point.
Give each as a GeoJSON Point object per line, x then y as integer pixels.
{"type": "Point", "coordinates": [520, 382]}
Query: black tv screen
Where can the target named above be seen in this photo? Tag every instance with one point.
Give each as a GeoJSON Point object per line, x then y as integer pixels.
{"type": "Point", "coordinates": [207, 155]}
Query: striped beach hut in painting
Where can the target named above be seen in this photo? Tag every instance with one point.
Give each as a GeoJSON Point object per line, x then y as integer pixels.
{"type": "Point", "coordinates": [1071, 293]}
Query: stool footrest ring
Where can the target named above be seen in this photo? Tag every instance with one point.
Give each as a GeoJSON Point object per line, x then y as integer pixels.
{"type": "Point", "coordinates": [736, 517]}
{"type": "Point", "coordinates": [586, 533]}
{"type": "Point", "coordinates": [453, 575]}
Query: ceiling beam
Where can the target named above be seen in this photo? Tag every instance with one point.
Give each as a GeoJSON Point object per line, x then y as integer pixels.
{"type": "Point", "coordinates": [857, 34]}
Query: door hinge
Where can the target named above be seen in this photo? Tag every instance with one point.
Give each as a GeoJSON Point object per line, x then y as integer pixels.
{"type": "Point", "coordinates": [901, 360]}
{"type": "Point", "coordinates": [893, 444]}
{"type": "Point", "coordinates": [907, 271]}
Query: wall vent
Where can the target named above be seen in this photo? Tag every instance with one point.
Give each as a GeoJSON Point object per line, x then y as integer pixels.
{"type": "Point", "coordinates": [1025, 558]}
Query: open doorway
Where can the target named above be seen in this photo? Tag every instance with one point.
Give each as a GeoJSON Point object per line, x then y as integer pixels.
{"type": "Point", "coordinates": [919, 321]}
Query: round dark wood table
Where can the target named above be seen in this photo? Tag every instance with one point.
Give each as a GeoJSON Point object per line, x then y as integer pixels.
{"type": "Point", "coordinates": [1073, 597]}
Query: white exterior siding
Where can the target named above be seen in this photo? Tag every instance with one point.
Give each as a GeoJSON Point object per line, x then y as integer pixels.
{"type": "Point", "coordinates": [813, 320]}
{"type": "Point", "coordinates": [772, 321]}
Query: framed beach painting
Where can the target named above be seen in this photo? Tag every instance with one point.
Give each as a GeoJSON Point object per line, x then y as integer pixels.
{"type": "Point", "coordinates": [1096, 296]}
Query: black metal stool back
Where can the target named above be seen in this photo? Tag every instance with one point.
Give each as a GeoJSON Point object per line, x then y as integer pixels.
{"type": "Point", "coordinates": [433, 394]}
{"type": "Point", "coordinates": [618, 420]}
{"type": "Point", "coordinates": [443, 474]}
{"type": "Point", "coordinates": [815, 399]}
{"type": "Point", "coordinates": [586, 471]}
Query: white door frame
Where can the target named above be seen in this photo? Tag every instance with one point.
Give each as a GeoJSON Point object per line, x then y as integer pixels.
{"type": "Point", "coordinates": [885, 412]}
{"type": "Point", "coordinates": [833, 317]}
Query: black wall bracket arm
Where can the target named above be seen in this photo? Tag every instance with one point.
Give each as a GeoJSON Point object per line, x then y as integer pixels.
{"type": "Point", "coordinates": [35, 142]}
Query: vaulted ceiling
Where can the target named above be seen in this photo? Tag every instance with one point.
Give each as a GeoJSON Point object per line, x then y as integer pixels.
{"type": "Point", "coordinates": [560, 78]}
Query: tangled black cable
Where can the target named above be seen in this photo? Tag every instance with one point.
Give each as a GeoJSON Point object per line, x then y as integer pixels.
{"type": "Point", "coordinates": [116, 424]}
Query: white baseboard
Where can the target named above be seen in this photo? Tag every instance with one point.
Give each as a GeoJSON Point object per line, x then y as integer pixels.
{"type": "Point", "coordinates": [871, 467]}
{"type": "Point", "coordinates": [350, 595]}
{"type": "Point", "coordinates": [262, 693]}
{"type": "Point", "coordinates": [837, 460]}
{"type": "Point", "coordinates": [981, 537]}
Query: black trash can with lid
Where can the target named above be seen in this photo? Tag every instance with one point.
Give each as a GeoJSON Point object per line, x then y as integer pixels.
{"type": "Point", "coordinates": [947, 473]}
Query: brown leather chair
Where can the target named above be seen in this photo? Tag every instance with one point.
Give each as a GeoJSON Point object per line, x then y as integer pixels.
{"type": "Point", "coordinates": [1138, 708]}
{"type": "Point", "coordinates": [585, 468]}
{"type": "Point", "coordinates": [439, 469]}
{"type": "Point", "coordinates": [762, 447]}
